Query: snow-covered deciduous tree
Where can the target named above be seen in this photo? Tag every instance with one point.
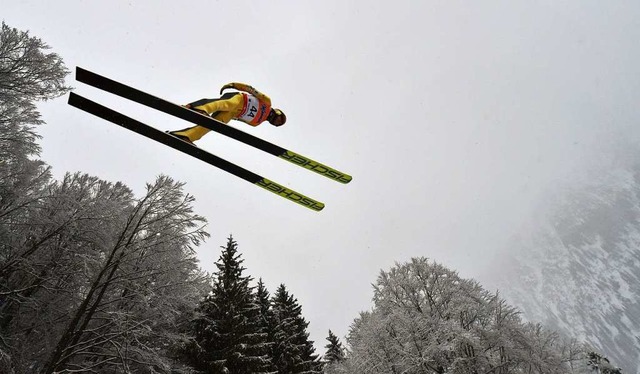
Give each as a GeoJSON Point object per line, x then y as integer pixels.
{"type": "Point", "coordinates": [27, 74]}
{"type": "Point", "coordinates": [96, 279]}
{"type": "Point", "coordinates": [43, 267]}
{"type": "Point", "coordinates": [426, 319]}
{"type": "Point", "coordinates": [135, 278]}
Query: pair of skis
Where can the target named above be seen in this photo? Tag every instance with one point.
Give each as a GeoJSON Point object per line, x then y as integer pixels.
{"type": "Point", "coordinates": [162, 105]}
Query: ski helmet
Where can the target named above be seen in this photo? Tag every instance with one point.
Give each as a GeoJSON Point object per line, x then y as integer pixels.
{"type": "Point", "coordinates": [277, 117]}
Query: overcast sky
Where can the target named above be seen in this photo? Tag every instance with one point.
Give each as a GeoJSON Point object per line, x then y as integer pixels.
{"type": "Point", "coordinates": [453, 117]}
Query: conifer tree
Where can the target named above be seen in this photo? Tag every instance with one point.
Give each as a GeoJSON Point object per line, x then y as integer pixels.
{"type": "Point", "coordinates": [335, 357]}
{"type": "Point", "coordinates": [293, 352]}
{"type": "Point", "coordinates": [264, 304]}
{"type": "Point", "coordinates": [265, 322]}
{"type": "Point", "coordinates": [600, 364]}
{"type": "Point", "coordinates": [227, 332]}
{"type": "Point", "coordinates": [335, 351]}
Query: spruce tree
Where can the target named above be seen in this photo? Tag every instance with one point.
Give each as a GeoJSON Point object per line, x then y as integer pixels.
{"type": "Point", "coordinates": [335, 351]}
{"type": "Point", "coordinates": [264, 304]}
{"type": "Point", "coordinates": [227, 332]}
{"type": "Point", "coordinates": [293, 352]}
{"type": "Point", "coordinates": [265, 324]}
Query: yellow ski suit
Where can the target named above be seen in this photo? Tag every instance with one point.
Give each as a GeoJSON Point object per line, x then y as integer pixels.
{"type": "Point", "coordinates": [249, 105]}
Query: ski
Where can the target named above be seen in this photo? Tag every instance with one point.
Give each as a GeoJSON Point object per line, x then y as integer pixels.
{"type": "Point", "coordinates": [182, 146]}
{"type": "Point", "coordinates": [122, 90]}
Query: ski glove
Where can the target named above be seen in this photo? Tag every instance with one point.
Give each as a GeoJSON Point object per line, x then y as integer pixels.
{"type": "Point", "coordinates": [226, 87]}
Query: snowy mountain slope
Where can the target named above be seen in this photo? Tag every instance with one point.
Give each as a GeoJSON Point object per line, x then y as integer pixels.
{"type": "Point", "coordinates": [578, 269]}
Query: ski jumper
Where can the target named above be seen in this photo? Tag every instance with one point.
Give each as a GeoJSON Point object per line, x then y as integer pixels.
{"type": "Point", "coordinates": [249, 106]}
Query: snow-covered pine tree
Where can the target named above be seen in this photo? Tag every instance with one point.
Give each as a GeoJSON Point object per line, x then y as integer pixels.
{"type": "Point", "coordinates": [228, 331]}
{"type": "Point", "coordinates": [335, 355]}
{"type": "Point", "coordinates": [265, 323]}
{"type": "Point", "coordinates": [335, 351]}
{"type": "Point", "coordinates": [293, 352]}
{"type": "Point", "coordinates": [264, 303]}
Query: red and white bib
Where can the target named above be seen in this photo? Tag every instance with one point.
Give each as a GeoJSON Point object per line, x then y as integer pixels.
{"type": "Point", "coordinates": [253, 111]}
